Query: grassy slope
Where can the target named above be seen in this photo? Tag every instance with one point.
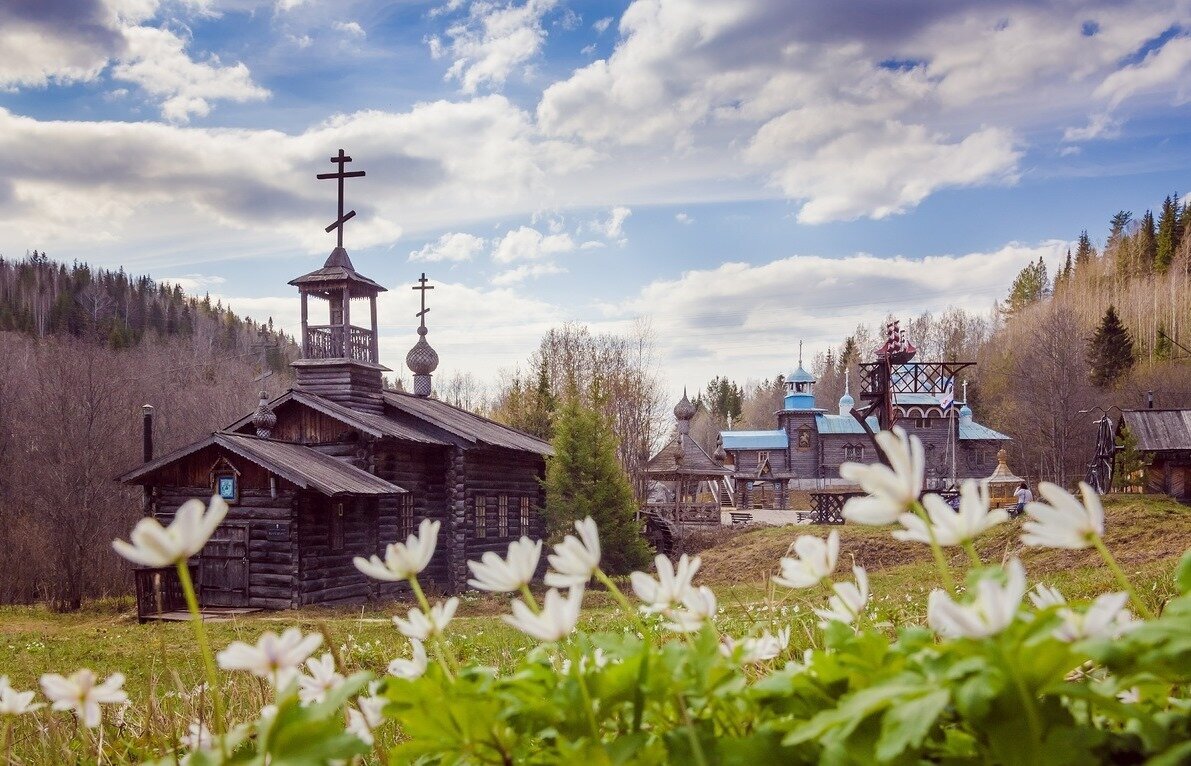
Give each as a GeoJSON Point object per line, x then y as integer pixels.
{"type": "Point", "coordinates": [1146, 534]}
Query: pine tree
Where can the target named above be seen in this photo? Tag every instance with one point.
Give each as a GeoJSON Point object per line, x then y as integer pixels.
{"type": "Point", "coordinates": [1084, 252]}
{"type": "Point", "coordinates": [1166, 240]}
{"type": "Point", "coordinates": [1130, 463]}
{"type": "Point", "coordinates": [1147, 243]}
{"type": "Point", "coordinates": [1116, 227]}
{"type": "Point", "coordinates": [1110, 351]}
{"type": "Point", "coordinates": [1030, 286]}
{"type": "Point", "coordinates": [584, 479]}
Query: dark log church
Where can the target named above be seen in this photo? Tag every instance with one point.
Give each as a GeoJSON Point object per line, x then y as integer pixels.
{"type": "Point", "coordinates": [339, 467]}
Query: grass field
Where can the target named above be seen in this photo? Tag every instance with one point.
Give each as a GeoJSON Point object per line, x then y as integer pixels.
{"type": "Point", "coordinates": [1147, 535]}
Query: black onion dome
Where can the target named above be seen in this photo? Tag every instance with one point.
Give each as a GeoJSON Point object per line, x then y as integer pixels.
{"type": "Point", "coordinates": [684, 410]}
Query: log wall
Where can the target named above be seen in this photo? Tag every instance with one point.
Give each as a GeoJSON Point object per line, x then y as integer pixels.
{"type": "Point", "coordinates": [327, 575]}
{"type": "Point", "coordinates": [491, 474]}
{"type": "Point", "coordinates": [422, 472]}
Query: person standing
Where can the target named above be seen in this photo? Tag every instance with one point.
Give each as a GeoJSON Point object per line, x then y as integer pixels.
{"type": "Point", "coordinates": [1023, 495]}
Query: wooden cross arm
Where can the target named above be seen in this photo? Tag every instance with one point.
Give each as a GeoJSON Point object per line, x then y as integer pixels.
{"type": "Point", "coordinates": [341, 174]}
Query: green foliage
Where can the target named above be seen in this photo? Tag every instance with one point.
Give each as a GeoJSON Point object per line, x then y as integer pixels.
{"type": "Point", "coordinates": [1130, 461]}
{"type": "Point", "coordinates": [1110, 350]}
{"type": "Point", "coordinates": [723, 398]}
{"type": "Point", "coordinates": [1168, 235]}
{"type": "Point", "coordinates": [1084, 251]}
{"type": "Point", "coordinates": [584, 479]}
{"type": "Point", "coordinates": [1031, 285]}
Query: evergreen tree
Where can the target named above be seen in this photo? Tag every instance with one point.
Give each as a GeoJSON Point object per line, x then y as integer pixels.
{"type": "Point", "coordinates": [1084, 252]}
{"type": "Point", "coordinates": [1110, 351]}
{"type": "Point", "coordinates": [1116, 227]}
{"type": "Point", "coordinates": [584, 478]}
{"type": "Point", "coordinates": [1167, 238]}
{"type": "Point", "coordinates": [1030, 286]}
{"type": "Point", "coordinates": [1147, 243]}
{"type": "Point", "coordinates": [1130, 463]}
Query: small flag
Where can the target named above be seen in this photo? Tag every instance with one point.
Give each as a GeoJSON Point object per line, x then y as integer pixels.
{"type": "Point", "coordinates": [948, 397]}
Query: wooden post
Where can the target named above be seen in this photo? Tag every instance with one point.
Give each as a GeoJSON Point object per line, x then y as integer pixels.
{"type": "Point", "coordinates": [305, 332]}
{"type": "Point", "coordinates": [347, 322]}
{"type": "Point", "coordinates": [375, 341]}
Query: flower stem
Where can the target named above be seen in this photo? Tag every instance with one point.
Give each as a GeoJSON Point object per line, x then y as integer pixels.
{"type": "Point", "coordinates": [622, 601]}
{"type": "Point", "coordinates": [591, 721]}
{"type": "Point", "coordinates": [973, 556]}
{"type": "Point", "coordinates": [529, 599]}
{"type": "Point", "coordinates": [935, 549]}
{"type": "Point", "coordinates": [200, 636]}
{"type": "Point", "coordinates": [1028, 703]}
{"type": "Point", "coordinates": [1121, 578]}
{"type": "Point", "coordinates": [445, 656]}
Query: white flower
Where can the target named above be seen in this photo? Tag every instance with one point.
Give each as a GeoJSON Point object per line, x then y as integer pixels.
{"type": "Point", "coordinates": [403, 560]}
{"type": "Point", "coordinates": [323, 678]}
{"type": "Point", "coordinates": [992, 610]}
{"type": "Point", "coordinates": [949, 526]}
{"type": "Point", "coordinates": [753, 650]}
{"type": "Point", "coordinates": [13, 702]}
{"type": "Point", "coordinates": [1107, 617]}
{"type": "Point", "coordinates": [422, 626]}
{"type": "Point", "coordinates": [197, 736]}
{"type": "Point", "coordinates": [274, 657]}
{"type": "Point", "coordinates": [1130, 696]}
{"type": "Point", "coordinates": [1044, 596]}
{"type": "Point", "coordinates": [815, 561]}
{"type": "Point", "coordinates": [848, 600]}
{"type": "Point", "coordinates": [156, 546]}
{"type": "Point", "coordinates": [411, 668]}
{"type": "Point", "coordinates": [671, 587]}
{"type": "Point", "coordinates": [699, 606]}
{"type": "Point", "coordinates": [83, 695]}
{"type": "Point", "coordinates": [575, 559]}
{"type": "Point", "coordinates": [1064, 522]}
{"type": "Point", "coordinates": [891, 490]}
{"type": "Point", "coordinates": [363, 719]}
{"type": "Point", "coordinates": [497, 575]}
{"type": "Point", "coordinates": [557, 619]}
{"type": "Point", "coordinates": [598, 660]}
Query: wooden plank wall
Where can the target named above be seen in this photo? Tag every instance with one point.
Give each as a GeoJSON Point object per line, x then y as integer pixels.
{"type": "Point", "coordinates": [348, 384]}
{"type": "Point", "coordinates": [491, 473]}
{"type": "Point", "coordinates": [302, 425]}
{"type": "Point", "coordinates": [328, 576]}
{"type": "Point", "coordinates": [421, 471]}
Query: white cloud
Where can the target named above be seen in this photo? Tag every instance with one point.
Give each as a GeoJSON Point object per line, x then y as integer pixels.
{"type": "Point", "coordinates": [528, 244]}
{"type": "Point", "coordinates": [1100, 125]}
{"type": "Point", "coordinates": [157, 61]}
{"type": "Point", "coordinates": [492, 41]}
{"type": "Point", "coordinates": [613, 226]}
{"type": "Point", "coordinates": [455, 246]}
{"type": "Point", "coordinates": [349, 28]}
{"type": "Point", "coordinates": [526, 271]}
{"type": "Point", "coordinates": [193, 284]}
{"type": "Point", "coordinates": [601, 25]}
{"type": "Point", "coordinates": [1168, 65]}
{"type": "Point", "coordinates": [683, 218]}
{"type": "Point", "coordinates": [588, 50]}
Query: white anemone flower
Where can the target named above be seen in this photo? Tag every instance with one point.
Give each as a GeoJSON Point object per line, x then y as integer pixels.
{"type": "Point", "coordinates": [814, 561]}
{"type": "Point", "coordinates": [156, 546]}
{"type": "Point", "coordinates": [992, 610]}
{"type": "Point", "coordinates": [1045, 596]}
{"type": "Point", "coordinates": [363, 719]}
{"type": "Point", "coordinates": [555, 622]}
{"type": "Point", "coordinates": [1107, 617]}
{"type": "Point", "coordinates": [276, 658]}
{"type": "Point", "coordinates": [575, 559]}
{"type": "Point", "coordinates": [597, 660]}
{"type": "Point", "coordinates": [848, 600]}
{"type": "Point", "coordinates": [671, 586]}
{"type": "Point", "coordinates": [412, 668]}
{"type": "Point", "coordinates": [760, 649]}
{"type": "Point", "coordinates": [13, 702]}
{"type": "Point", "coordinates": [322, 678]}
{"type": "Point", "coordinates": [403, 560]}
{"type": "Point", "coordinates": [698, 606]}
{"type": "Point", "coordinates": [197, 737]}
{"type": "Point", "coordinates": [1063, 521]}
{"type": "Point", "coordinates": [81, 694]}
{"type": "Point", "coordinates": [1130, 696]}
{"type": "Point", "coordinates": [952, 527]}
{"type": "Point", "coordinates": [497, 575]}
{"type": "Point", "coordinates": [891, 490]}
{"type": "Point", "coordinates": [423, 626]}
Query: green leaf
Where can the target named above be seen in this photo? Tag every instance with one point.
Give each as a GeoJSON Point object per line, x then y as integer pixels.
{"type": "Point", "coordinates": [1182, 573]}
{"type": "Point", "coordinates": [908, 722]}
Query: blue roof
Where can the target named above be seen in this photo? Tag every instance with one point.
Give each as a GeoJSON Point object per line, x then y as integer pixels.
{"type": "Point", "coordinates": [909, 400]}
{"type": "Point", "coordinates": [800, 376]}
{"type": "Point", "coordinates": [738, 440]}
{"type": "Point", "coordinates": [977, 431]}
{"type": "Point", "coordinates": [842, 424]}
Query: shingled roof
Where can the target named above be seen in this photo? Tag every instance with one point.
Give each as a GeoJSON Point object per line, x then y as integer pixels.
{"type": "Point", "coordinates": [302, 466]}
{"type": "Point", "coordinates": [683, 457]}
{"type": "Point", "coordinates": [1159, 430]}
{"type": "Point", "coordinates": [368, 422]}
{"type": "Point", "coordinates": [468, 427]}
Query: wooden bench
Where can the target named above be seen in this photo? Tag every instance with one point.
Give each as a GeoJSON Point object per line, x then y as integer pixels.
{"type": "Point", "coordinates": [739, 517]}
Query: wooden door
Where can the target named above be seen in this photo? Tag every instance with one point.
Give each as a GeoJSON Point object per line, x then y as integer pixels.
{"type": "Point", "coordinates": [223, 568]}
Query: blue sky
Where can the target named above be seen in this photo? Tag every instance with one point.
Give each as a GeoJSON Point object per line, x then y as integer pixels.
{"type": "Point", "coordinates": [743, 174]}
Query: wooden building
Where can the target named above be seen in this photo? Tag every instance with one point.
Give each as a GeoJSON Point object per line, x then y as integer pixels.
{"type": "Point", "coordinates": [692, 478]}
{"type": "Point", "coordinates": [339, 467]}
{"type": "Point", "coordinates": [1164, 437]}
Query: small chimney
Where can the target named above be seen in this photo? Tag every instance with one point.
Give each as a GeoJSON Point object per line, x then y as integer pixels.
{"type": "Point", "coordinates": [1149, 400]}
{"type": "Point", "coordinates": [147, 427]}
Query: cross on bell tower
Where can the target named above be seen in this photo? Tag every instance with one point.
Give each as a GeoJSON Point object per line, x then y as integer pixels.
{"type": "Point", "coordinates": [341, 160]}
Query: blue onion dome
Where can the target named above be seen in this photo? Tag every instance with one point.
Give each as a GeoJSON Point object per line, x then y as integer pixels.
{"type": "Point", "coordinates": [684, 410]}
{"type": "Point", "coordinates": [422, 359]}
{"type": "Point", "coordinates": [800, 376]}
{"type": "Point", "coordinates": [846, 402]}
{"type": "Point", "coordinates": [965, 412]}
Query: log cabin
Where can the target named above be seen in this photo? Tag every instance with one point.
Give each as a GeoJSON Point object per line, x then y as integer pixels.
{"type": "Point", "coordinates": [339, 466]}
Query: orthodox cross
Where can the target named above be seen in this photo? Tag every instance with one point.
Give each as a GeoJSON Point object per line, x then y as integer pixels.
{"type": "Point", "coordinates": [799, 353]}
{"type": "Point", "coordinates": [423, 287]}
{"type": "Point", "coordinates": [264, 346]}
{"type": "Point", "coordinates": [341, 159]}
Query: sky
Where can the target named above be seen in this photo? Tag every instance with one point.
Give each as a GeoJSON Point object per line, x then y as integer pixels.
{"type": "Point", "coordinates": [742, 174]}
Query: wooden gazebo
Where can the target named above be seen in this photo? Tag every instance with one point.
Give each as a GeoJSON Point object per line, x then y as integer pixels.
{"type": "Point", "coordinates": [686, 468]}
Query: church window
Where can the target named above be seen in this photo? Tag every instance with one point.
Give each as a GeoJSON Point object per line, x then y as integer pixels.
{"type": "Point", "coordinates": [502, 516]}
{"type": "Point", "coordinates": [481, 516]}
{"type": "Point", "coordinates": [762, 458]}
{"type": "Point", "coordinates": [405, 516]}
{"type": "Point", "coordinates": [336, 531]}
{"type": "Point", "coordinates": [525, 515]}
{"type": "Point", "coordinates": [853, 453]}
{"type": "Point", "coordinates": [923, 422]}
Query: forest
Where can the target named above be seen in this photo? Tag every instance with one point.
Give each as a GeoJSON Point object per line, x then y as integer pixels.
{"type": "Point", "coordinates": [84, 349]}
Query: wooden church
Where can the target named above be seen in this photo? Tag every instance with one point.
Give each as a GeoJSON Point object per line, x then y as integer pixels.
{"type": "Point", "coordinates": [339, 467]}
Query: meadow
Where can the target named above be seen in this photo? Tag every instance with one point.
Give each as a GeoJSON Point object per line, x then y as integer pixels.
{"type": "Point", "coordinates": [163, 669]}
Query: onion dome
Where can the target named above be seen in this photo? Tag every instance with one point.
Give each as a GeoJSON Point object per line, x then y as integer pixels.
{"type": "Point", "coordinates": [264, 418]}
{"type": "Point", "coordinates": [719, 455]}
{"type": "Point", "coordinates": [846, 402]}
{"type": "Point", "coordinates": [684, 410]}
{"type": "Point", "coordinates": [965, 413]}
{"type": "Point", "coordinates": [422, 359]}
{"type": "Point", "coordinates": [800, 375]}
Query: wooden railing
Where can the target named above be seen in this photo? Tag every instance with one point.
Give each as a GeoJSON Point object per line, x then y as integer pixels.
{"type": "Point", "coordinates": [696, 513]}
{"type": "Point", "coordinates": [326, 342]}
